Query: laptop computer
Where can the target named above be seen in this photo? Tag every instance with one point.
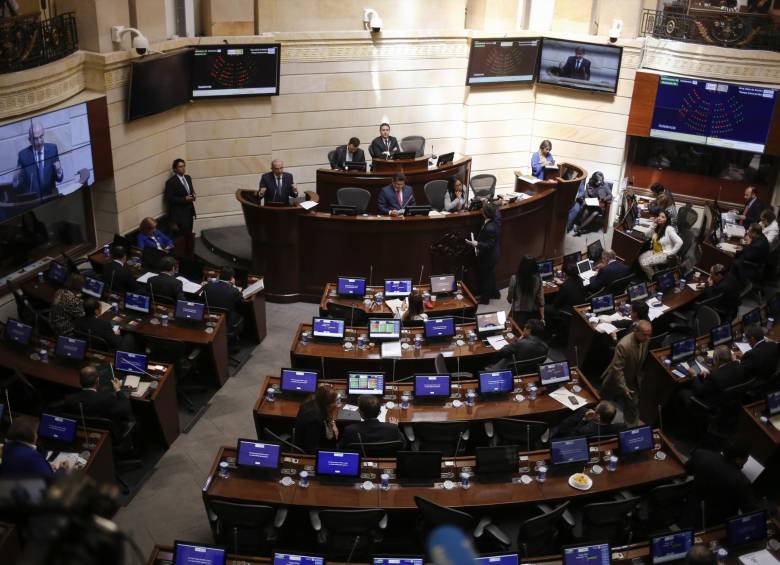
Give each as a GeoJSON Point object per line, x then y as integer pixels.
{"type": "Point", "coordinates": [553, 375]}
{"type": "Point", "coordinates": [545, 269]}
{"type": "Point", "coordinates": [443, 284]}
{"type": "Point", "coordinates": [745, 529]}
{"type": "Point", "coordinates": [327, 329]}
{"type": "Point", "coordinates": [259, 456]}
{"type": "Point", "coordinates": [495, 384]}
{"type": "Point", "coordinates": [355, 166]}
{"type": "Point", "coordinates": [418, 468]}
{"type": "Point", "coordinates": [670, 547]}
{"type": "Point", "coordinates": [398, 288]}
{"type": "Point", "coordinates": [343, 210]}
{"type": "Point", "coordinates": [431, 387]}
{"type": "Point", "coordinates": [137, 303]}
{"type": "Point", "coordinates": [490, 322]}
{"type": "Point", "coordinates": [70, 348]}
{"type": "Point", "coordinates": [497, 559]}
{"type": "Point", "coordinates": [496, 464]}
{"type": "Point", "coordinates": [57, 428]}
{"type": "Point", "coordinates": [297, 559]}
{"type": "Point", "coordinates": [417, 210]}
{"type": "Point", "coordinates": [568, 455]}
{"type": "Point", "coordinates": [384, 329]}
{"type": "Point", "coordinates": [721, 335]}
{"type": "Point", "coordinates": [189, 312]}
{"type": "Point", "coordinates": [571, 259]}
{"type": "Point", "coordinates": [337, 467]}
{"type": "Point", "coordinates": [585, 270]}
{"type": "Point", "coordinates": [591, 554]}
{"type": "Point", "coordinates": [438, 329]}
{"type": "Point", "coordinates": [604, 304]}
{"type": "Point", "coordinates": [127, 362]}
{"type": "Point", "coordinates": [17, 333]}
{"type": "Point", "coordinates": [637, 292]}
{"type": "Point", "coordinates": [351, 286]}
{"type": "Point", "coordinates": [683, 357]}
{"type": "Point", "coordinates": [445, 158]}
{"type": "Point", "coordinates": [752, 317]}
{"type": "Point", "coordinates": [635, 440]}
{"type": "Point", "coordinates": [93, 287]}
{"type": "Point", "coordinates": [298, 381]}
{"type": "Point", "coordinates": [191, 553]}
{"type": "Point", "coordinates": [595, 249]}
{"type": "Point", "coordinates": [403, 155]}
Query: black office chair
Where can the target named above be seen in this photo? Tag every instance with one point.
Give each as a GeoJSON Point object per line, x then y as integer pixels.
{"type": "Point", "coordinates": [540, 535]}
{"type": "Point", "coordinates": [185, 364]}
{"type": "Point", "coordinates": [356, 317]}
{"type": "Point", "coordinates": [93, 341]}
{"type": "Point", "coordinates": [432, 516]}
{"type": "Point", "coordinates": [609, 521]}
{"type": "Point", "coordinates": [483, 185]}
{"type": "Point", "coordinates": [440, 364]}
{"type": "Point", "coordinates": [151, 258]}
{"type": "Point", "coordinates": [687, 217]}
{"type": "Point", "coordinates": [191, 268]}
{"type": "Point", "coordinates": [619, 286]}
{"type": "Point", "coordinates": [286, 444]}
{"type": "Point", "coordinates": [666, 506]}
{"type": "Point", "coordinates": [434, 192]}
{"type": "Point", "coordinates": [446, 437]}
{"type": "Point", "coordinates": [235, 327]}
{"type": "Point", "coordinates": [25, 311]}
{"type": "Point", "coordinates": [377, 448]}
{"type": "Point", "coordinates": [245, 528]}
{"type": "Point", "coordinates": [346, 534]}
{"type": "Point", "coordinates": [331, 159]}
{"type": "Point", "coordinates": [81, 266]}
{"type": "Point", "coordinates": [526, 434]}
{"type": "Point", "coordinates": [352, 196]}
{"type": "Point", "coordinates": [414, 143]}
{"type": "Point", "coordinates": [527, 366]}
{"type": "Point", "coordinates": [657, 341]}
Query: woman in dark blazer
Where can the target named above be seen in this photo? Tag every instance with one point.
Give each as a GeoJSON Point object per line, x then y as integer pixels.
{"type": "Point", "coordinates": [315, 425]}
{"type": "Point", "coordinates": [488, 250]}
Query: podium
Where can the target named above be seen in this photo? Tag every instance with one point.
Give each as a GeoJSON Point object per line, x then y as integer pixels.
{"type": "Point", "coordinates": [416, 165]}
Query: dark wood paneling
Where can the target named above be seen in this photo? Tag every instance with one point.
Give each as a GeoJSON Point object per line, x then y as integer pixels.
{"type": "Point", "coordinates": [100, 137]}
{"type": "Point", "coordinates": [642, 104]}
{"type": "Point", "coordinates": [773, 139]}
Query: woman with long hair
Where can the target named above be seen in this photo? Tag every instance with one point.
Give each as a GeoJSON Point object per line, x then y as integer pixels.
{"type": "Point", "coordinates": [526, 293]}
{"type": "Point", "coordinates": [541, 159]}
{"type": "Point", "coordinates": [664, 244]}
{"type": "Point", "coordinates": [315, 424]}
{"type": "Point", "coordinates": [455, 197]}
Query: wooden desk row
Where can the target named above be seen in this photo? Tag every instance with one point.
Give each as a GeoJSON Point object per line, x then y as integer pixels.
{"type": "Point", "coordinates": [764, 438]}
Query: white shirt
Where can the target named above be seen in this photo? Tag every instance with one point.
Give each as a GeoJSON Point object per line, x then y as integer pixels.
{"type": "Point", "coordinates": [771, 234]}
{"type": "Point", "coordinates": [183, 180]}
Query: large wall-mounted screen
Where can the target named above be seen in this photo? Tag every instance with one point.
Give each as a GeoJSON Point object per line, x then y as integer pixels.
{"type": "Point", "coordinates": [503, 61]}
{"type": "Point", "coordinates": [236, 70]}
{"type": "Point", "coordinates": [159, 83]}
{"type": "Point", "coordinates": [574, 64]}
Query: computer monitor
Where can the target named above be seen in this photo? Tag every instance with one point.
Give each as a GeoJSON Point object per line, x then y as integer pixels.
{"type": "Point", "coordinates": [721, 334]}
{"type": "Point", "coordinates": [501, 459]}
{"type": "Point", "coordinates": [637, 291]}
{"type": "Point", "coordinates": [128, 362]}
{"type": "Point", "coordinates": [57, 273]}
{"type": "Point", "coordinates": [417, 210]}
{"type": "Point", "coordinates": [665, 281]}
{"type": "Point", "coordinates": [406, 560]}
{"type": "Point", "coordinates": [342, 210]}
{"type": "Point", "coordinates": [445, 158]}
{"type": "Point", "coordinates": [384, 329]}
{"type": "Point", "coordinates": [595, 250]}
{"type": "Point", "coordinates": [326, 328]}
{"type": "Point", "coordinates": [404, 155]}
{"type": "Point", "coordinates": [773, 403]}
{"type": "Point", "coordinates": [443, 284]}
{"type": "Point", "coordinates": [497, 559]}
{"type": "Point", "coordinates": [752, 317]}
{"type": "Point", "coordinates": [636, 440]}
{"type": "Point", "coordinates": [673, 546]}
{"type": "Point", "coordinates": [359, 383]}
{"type": "Point", "coordinates": [746, 528]}
{"type": "Point", "coordinates": [190, 553]}
{"type": "Point", "coordinates": [297, 559]}
{"type": "Point", "coordinates": [439, 328]}
{"type": "Point", "coordinates": [554, 373]}
{"type": "Point", "coordinates": [432, 386]}
{"type": "Point", "coordinates": [602, 304]}
{"type": "Point", "coordinates": [137, 302]}
{"type": "Point", "coordinates": [683, 349]}
{"type": "Point", "coordinates": [70, 348]}
{"type": "Point", "coordinates": [189, 311]}
{"type": "Point", "coordinates": [421, 465]}
{"type": "Point", "coordinates": [351, 286]}
{"type": "Point", "coordinates": [545, 269]}
{"type": "Point", "coordinates": [593, 554]}
{"type": "Point", "coordinates": [571, 259]}
{"type": "Point", "coordinates": [93, 287]}
{"type": "Point", "coordinates": [338, 464]}
{"type": "Point", "coordinates": [57, 427]}
{"type": "Point", "coordinates": [299, 381]}
{"type": "Point", "coordinates": [569, 450]}
{"type": "Point", "coordinates": [253, 454]}
{"type": "Point", "coordinates": [17, 332]}
{"type": "Point", "coordinates": [355, 166]}
{"type": "Point", "coordinates": [395, 288]}
{"type": "Point", "coordinates": [496, 382]}
{"type": "Point", "coordinates": [491, 322]}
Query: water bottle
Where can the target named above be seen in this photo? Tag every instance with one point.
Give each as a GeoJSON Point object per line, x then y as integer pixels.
{"type": "Point", "coordinates": [659, 296]}
{"type": "Point", "coordinates": [541, 473]}
{"type": "Point", "coordinates": [612, 463]}
{"type": "Point", "coordinates": [106, 250]}
{"type": "Point", "coordinates": [627, 309]}
{"type": "Point", "coordinates": [378, 298]}
{"type": "Point", "coordinates": [472, 337]}
{"type": "Point", "coordinates": [115, 307]}
{"type": "Point", "coordinates": [164, 319]}
{"type": "Point", "coordinates": [305, 338]}
{"type": "Point", "coordinates": [385, 481]}
{"type": "Point", "coordinates": [682, 284]}
{"type": "Point", "coordinates": [465, 480]}
{"type": "Point", "coordinates": [769, 323]}
{"type": "Point", "coordinates": [471, 397]}
{"type": "Point", "coordinates": [40, 277]}
{"type": "Point", "coordinates": [304, 479]}
{"type": "Point", "coordinates": [418, 341]}
{"type": "Point", "coordinates": [224, 472]}
{"type": "Point", "coordinates": [532, 392]}
{"type": "Point", "coordinates": [405, 401]}
{"type": "Point", "coordinates": [44, 355]}
{"type": "Point", "coordinates": [362, 341]}
{"type": "Point", "coordinates": [722, 555]}
{"type": "Point", "coordinates": [271, 394]}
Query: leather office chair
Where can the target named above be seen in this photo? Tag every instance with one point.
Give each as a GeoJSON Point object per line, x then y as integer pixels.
{"type": "Point", "coordinates": [610, 521]}
{"type": "Point", "coordinates": [377, 448]}
{"type": "Point", "coordinates": [526, 434]}
{"type": "Point", "coordinates": [93, 341]}
{"type": "Point", "coordinates": [483, 185]}
{"type": "Point", "coordinates": [540, 535]}
{"type": "Point", "coordinates": [286, 444]}
{"type": "Point", "coordinates": [151, 257]}
{"type": "Point", "coordinates": [687, 217]}
{"type": "Point", "coordinates": [666, 506]}
{"type": "Point", "coordinates": [432, 516]}
{"type": "Point", "coordinates": [82, 266]}
{"type": "Point", "coordinates": [345, 534]}
{"type": "Point", "coordinates": [619, 286]}
{"type": "Point", "coordinates": [245, 528]}
{"type": "Point", "coordinates": [526, 366]}
{"type": "Point", "coordinates": [352, 196]}
{"type": "Point", "coordinates": [25, 311]}
{"type": "Point", "coordinates": [331, 157]}
{"type": "Point", "coordinates": [185, 364]}
{"type": "Point", "coordinates": [353, 316]}
{"type": "Point", "coordinates": [434, 192]}
{"type": "Point", "coordinates": [446, 437]}
{"type": "Point", "coordinates": [440, 364]}
{"type": "Point", "coordinates": [414, 143]}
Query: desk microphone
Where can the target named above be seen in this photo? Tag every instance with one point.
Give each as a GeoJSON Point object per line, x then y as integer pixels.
{"type": "Point", "coordinates": [371, 275]}
{"type": "Point", "coordinates": [422, 268]}
{"type": "Point", "coordinates": [362, 447]}
{"type": "Point", "coordinates": [8, 403]}
{"type": "Point", "coordinates": [87, 444]}
{"type": "Point", "coordinates": [111, 283]}
{"type": "Point", "coordinates": [576, 356]}
{"type": "Point", "coordinates": [660, 419]}
{"type": "Point", "coordinates": [457, 446]}
{"type": "Point", "coordinates": [407, 201]}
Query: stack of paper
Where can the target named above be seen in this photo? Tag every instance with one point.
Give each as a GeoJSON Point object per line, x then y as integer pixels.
{"type": "Point", "coordinates": [140, 392]}
{"type": "Point", "coordinates": [734, 230]}
{"type": "Point", "coordinates": [253, 288]}
{"type": "Point", "coordinates": [568, 399]}
{"type": "Point", "coordinates": [497, 341]}
{"type": "Point", "coordinates": [145, 277]}
{"type": "Point", "coordinates": [391, 350]}
{"type": "Point", "coordinates": [189, 286]}
{"type": "Point", "coordinates": [606, 328]}
{"type": "Point", "coordinates": [760, 557]}
{"type": "Point", "coordinates": [728, 247]}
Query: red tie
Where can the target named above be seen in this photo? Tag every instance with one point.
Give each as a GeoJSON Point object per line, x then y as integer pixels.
{"type": "Point", "coordinates": [401, 199]}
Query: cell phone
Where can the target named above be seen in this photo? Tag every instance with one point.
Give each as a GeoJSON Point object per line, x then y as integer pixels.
{"type": "Point", "coordinates": [573, 400]}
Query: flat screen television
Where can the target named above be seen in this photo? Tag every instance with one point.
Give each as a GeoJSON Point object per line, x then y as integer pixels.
{"type": "Point", "coordinates": [158, 83]}
{"type": "Point", "coordinates": [220, 71]}
{"type": "Point", "coordinates": [503, 60]}
{"type": "Point", "coordinates": [586, 66]}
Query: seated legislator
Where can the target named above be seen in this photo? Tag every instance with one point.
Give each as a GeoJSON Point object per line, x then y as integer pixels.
{"type": "Point", "coordinates": [770, 228]}
{"type": "Point", "coordinates": [761, 360]}
{"type": "Point", "coordinates": [725, 373]}
{"type": "Point", "coordinates": [751, 213]}
{"type": "Point", "coordinates": [526, 292]}
{"type": "Point", "coordinates": [571, 293]}
{"type": "Point", "coordinates": [541, 159]}
{"type": "Point", "coordinates": [749, 261]}
{"type": "Point", "coordinates": [150, 236]}
{"type": "Point", "coordinates": [223, 294]}
{"type": "Point", "coordinates": [315, 425]}
{"type": "Point", "coordinates": [664, 244]}
{"type": "Point", "coordinates": [455, 197]}
{"type": "Point", "coordinates": [67, 306]}
{"type": "Point", "coordinates": [639, 311]}
{"type": "Point", "coordinates": [92, 325]}
{"type": "Point", "coordinates": [588, 422]}
{"type": "Point", "coordinates": [700, 554]}
{"type": "Point", "coordinates": [349, 153]}
{"type": "Point", "coordinates": [530, 345]}
{"type": "Point", "coordinates": [395, 197]}
{"type": "Point", "coordinates": [415, 315]}
{"type": "Point", "coordinates": [370, 430]}
{"type": "Point", "coordinates": [590, 217]}
{"type": "Point", "coordinates": [608, 272]}
{"type": "Point", "coordinates": [116, 275]}
{"type": "Point", "coordinates": [113, 405]}
{"type": "Point", "coordinates": [723, 284]}
{"type": "Point", "coordinates": [384, 146]}
{"type": "Point", "coordinates": [21, 457]}
{"type": "Point", "coordinates": [166, 285]}
{"type": "Point", "coordinates": [658, 189]}
{"type": "Point", "coordinates": [277, 186]}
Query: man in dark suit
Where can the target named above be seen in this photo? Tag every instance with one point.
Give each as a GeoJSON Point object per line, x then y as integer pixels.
{"type": "Point", "coordinates": [180, 197]}
{"type": "Point", "coordinates": [166, 285]}
{"type": "Point", "coordinates": [396, 196]}
{"type": "Point", "coordinates": [385, 145]}
{"type": "Point", "coordinates": [116, 275]}
{"type": "Point", "coordinates": [622, 379]}
{"type": "Point", "coordinates": [749, 262]}
{"type": "Point", "coordinates": [223, 294]}
{"type": "Point", "coordinates": [21, 457]}
{"type": "Point", "coordinates": [349, 153]}
{"type": "Point", "coordinates": [529, 346]}
{"type": "Point", "coordinates": [114, 405]}
{"type": "Point", "coordinates": [39, 165]}
{"type": "Point", "coordinates": [751, 213]}
{"type": "Point", "coordinates": [587, 422]}
{"type": "Point", "coordinates": [90, 325]}
{"type": "Point", "coordinates": [723, 284]}
{"type": "Point", "coordinates": [611, 270]}
{"type": "Point", "coordinates": [726, 372]}
{"type": "Point", "coordinates": [277, 186]}
{"type": "Point", "coordinates": [577, 66]}
{"type": "Point", "coordinates": [370, 430]}
{"type": "Point", "coordinates": [760, 361]}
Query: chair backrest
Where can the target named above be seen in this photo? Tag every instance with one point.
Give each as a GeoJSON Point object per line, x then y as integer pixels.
{"type": "Point", "coordinates": [526, 434]}
{"type": "Point", "coordinates": [483, 185]}
{"type": "Point", "coordinates": [619, 286]}
{"type": "Point", "coordinates": [657, 341]}
{"type": "Point", "coordinates": [93, 341]}
{"type": "Point", "coordinates": [331, 157]}
{"type": "Point", "coordinates": [440, 363]}
{"type": "Point", "coordinates": [353, 522]}
{"type": "Point", "coordinates": [666, 503]}
{"type": "Point", "coordinates": [440, 436]}
{"type": "Point", "coordinates": [706, 319]}
{"type": "Point", "coordinates": [353, 316]}
{"type": "Point", "coordinates": [414, 143]}
{"type": "Point", "coordinates": [687, 217]}
{"type": "Point", "coordinates": [95, 422]}
{"type": "Point", "coordinates": [352, 196]}
{"type": "Point", "coordinates": [165, 350]}
{"type": "Point", "coordinates": [734, 395]}
{"type": "Point", "coordinates": [286, 445]}
{"type": "Point", "coordinates": [538, 535]}
{"type": "Point", "coordinates": [434, 192]}
{"type": "Point", "coordinates": [608, 520]}
{"type": "Point", "coordinates": [527, 366]}
{"type": "Point", "coordinates": [239, 525]}
{"type": "Point", "coordinates": [377, 448]}
{"type": "Point", "coordinates": [434, 515]}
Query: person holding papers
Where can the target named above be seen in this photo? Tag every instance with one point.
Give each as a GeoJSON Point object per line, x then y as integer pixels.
{"type": "Point", "coordinates": [166, 285]}
{"type": "Point", "coordinates": [594, 203]}
{"type": "Point", "coordinates": [113, 405]}
{"type": "Point", "coordinates": [760, 361]}
{"type": "Point", "coordinates": [385, 145]}
{"type": "Point", "coordinates": [455, 197]}
{"type": "Point", "coordinates": [487, 247]}
{"type": "Point", "coordinates": [541, 159]}
{"type": "Point", "coordinates": [664, 244]}
{"type": "Point", "coordinates": [709, 388]}
{"type": "Point", "coordinates": [370, 430]}
{"type": "Point", "coordinates": [150, 236]}
{"type": "Point", "coordinates": [222, 293]}
{"type": "Point", "coordinates": [588, 422]}
{"type": "Point", "coordinates": [753, 208]}
{"type": "Point", "coordinates": [395, 197]}
{"type": "Point", "coordinates": [526, 292]}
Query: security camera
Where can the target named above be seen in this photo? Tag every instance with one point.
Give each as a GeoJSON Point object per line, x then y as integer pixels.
{"type": "Point", "coordinates": [614, 32]}
{"type": "Point", "coordinates": [140, 43]}
{"type": "Point", "coordinates": [371, 20]}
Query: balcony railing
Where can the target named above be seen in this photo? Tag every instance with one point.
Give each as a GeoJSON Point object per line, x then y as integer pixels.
{"type": "Point", "coordinates": [28, 41]}
{"type": "Point", "coordinates": [724, 29]}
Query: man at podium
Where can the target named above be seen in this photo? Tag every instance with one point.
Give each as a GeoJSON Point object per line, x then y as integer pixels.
{"type": "Point", "coordinates": [385, 145]}
{"type": "Point", "coordinates": [395, 197]}
{"type": "Point", "coordinates": [39, 165]}
{"type": "Point", "coordinates": [277, 186]}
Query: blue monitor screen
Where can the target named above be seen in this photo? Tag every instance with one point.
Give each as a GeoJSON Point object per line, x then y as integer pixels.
{"type": "Point", "coordinates": [601, 304]}
{"type": "Point", "coordinates": [398, 287]}
{"type": "Point", "coordinates": [665, 281]}
{"type": "Point", "coordinates": [70, 348]}
{"type": "Point", "coordinates": [752, 318]}
{"type": "Point", "coordinates": [351, 286]}
{"type": "Point", "coordinates": [554, 373]}
{"type": "Point", "coordinates": [636, 439]}
{"type": "Point", "coordinates": [396, 561]}
{"type": "Point", "coordinates": [439, 328]}
{"type": "Point", "coordinates": [574, 450]}
{"type": "Point", "coordinates": [365, 383]}
{"type": "Point", "coordinates": [299, 381]}
{"type": "Point", "coordinates": [496, 382]}
{"type": "Point", "coordinates": [671, 547]}
{"type": "Point", "coordinates": [55, 427]}
{"type": "Point", "coordinates": [713, 113]}
{"type": "Point", "coordinates": [93, 287]}
{"type": "Point", "coordinates": [56, 273]}
{"type": "Point", "coordinates": [325, 327]}
{"type": "Point", "coordinates": [595, 250]}
{"type": "Point", "coordinates": [192, 311]}
{"type": "Point", "coordinates": [17, 332]}
{"type": "Point", "coordinates": [721, 334]}
{"type": "Point", "coordinates": [545, 269]}
{"type": "Point", "coordinates": [596, 554]}
{"type": "Point", "coordinates": [338, 463]}
{"type": "Point", "coordinates": [195, 554]}
{"type": "Point", "coordinates": [746, 528]}
{"type": "Point", "coordinates": [257, 455]}
{"type": "Point", "coordinates": [637, 292]}
{"type": "Point", "coordinates": [443, 284]}
{"type": "Point", "coordinates": [431, 385]}
{"type": "Point", "coordinates": [683, 349]}
{"type": "Point", "coordinates": [290, 559]}
{"type": "Point", "coordinates": [130, 362]}
{"type": "Point", "coordinates": [505, 559]}
{"type": "Point", "coordinates": [137, 302]}
{"type": "Point", "coordinates": [773, 403]}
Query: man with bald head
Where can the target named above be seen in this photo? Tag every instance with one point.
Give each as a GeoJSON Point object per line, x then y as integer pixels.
{"type": "Point", "coordinates": [39, 165]}
{"type": "Point", "coordinates": [277, 186]}
{"type": "Point", "coordinates": [622, 380]}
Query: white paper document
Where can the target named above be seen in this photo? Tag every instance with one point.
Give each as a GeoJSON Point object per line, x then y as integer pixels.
{"type": "Point", "coordinates": [529, 179]}
{"type": "Point", "coordinates": [391, 350]}
{"type": "Point", "coordinates": [743, 346]}
{"type": "Point", "coordinates": [308, 204]}
{"type": "Point", "coordinates": [382, 414]}
{"type": "Point", "coordinates": [752, 469]}
{"type": "Point", "coordinates": [145, 277]}
{"type": "Point", "coordinates": [591, 202]}
{"type": "Point", "coordinates": [761, 557]}
{"type": "Point", "coordinates": [497, 341]}
{"type": "Point", "coordinates": [253, 288]}
{"type": "Point", "coordinates": [734, 230]}
{"type": "Point", "coordinates": [728, 247]}
{"type": "Point", "coordinates": [141, 390]}
{"type": "Point", "coordinates": [565, 396]}
{"type": "Point", "coordinates": [132, 381]}
{"type": "Point", "coordinates": [189, 286]}
{"type": "Point", "coordinates": [606, 328]}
